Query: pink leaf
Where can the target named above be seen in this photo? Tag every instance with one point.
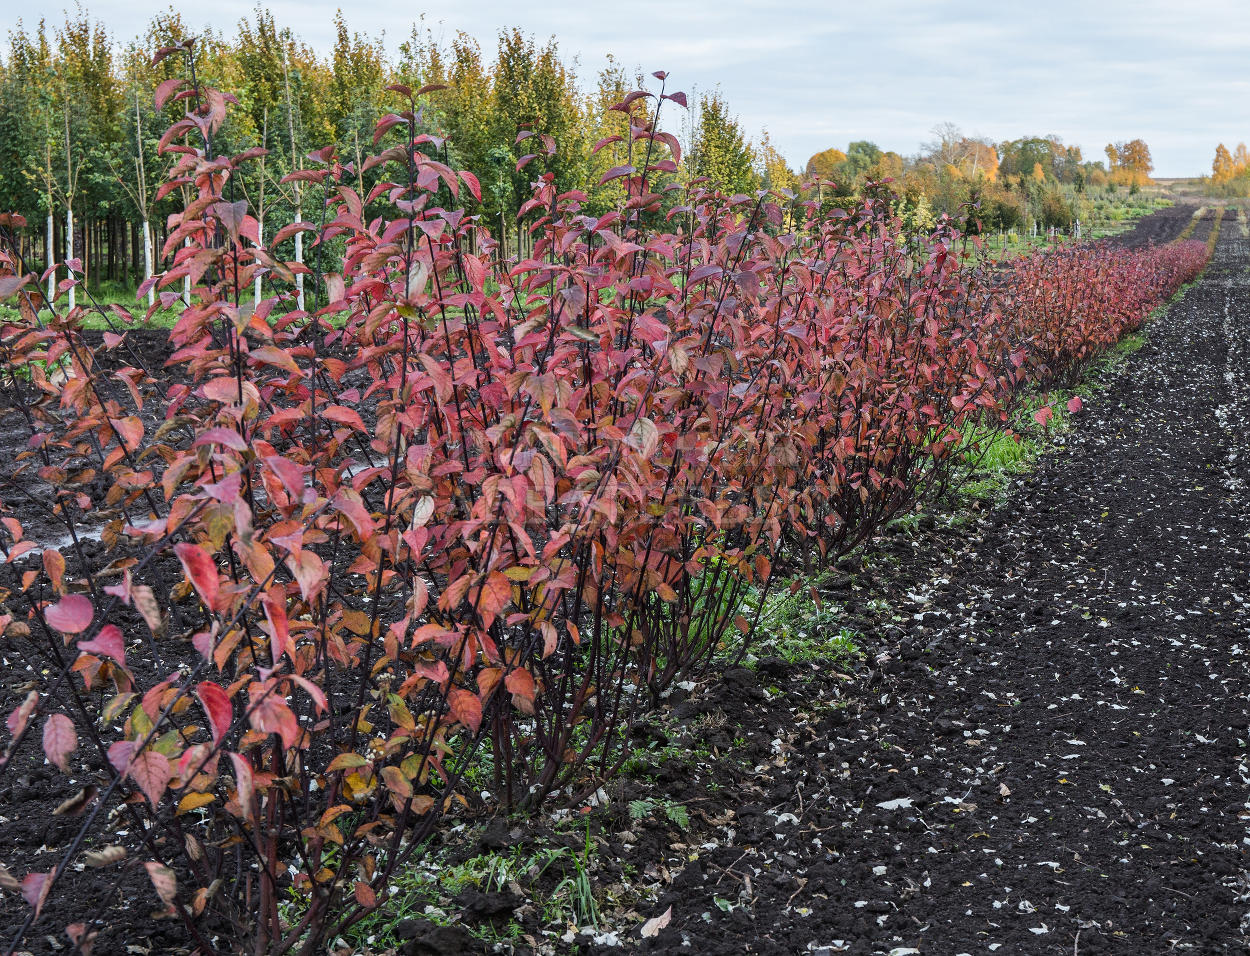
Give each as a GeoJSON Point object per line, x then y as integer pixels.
{"type": "Point", "coordinates": [71, 614]}
{"type": "Point", "coordinates": [1043, 415]}
{"type": "Point", "coordinates": [20, 716]}
{"type": "Point", "coordinates": [1074, 404]}
{"type": "Point", "coordinates": [270, 714]}
{"type": "Point", "coordinates": [35, 889]}
{"type": "Point", "coordinates": [616, 172]}
{"type": "Point", "coordinates": [163, 880]}
{"type": "Point", "coordinates": [243, 783]}
{"type": "Point", "coordinates": [150, 770]}
{"type": "Point", "coordinates": [108, 643]}
{"type": "Point", "coordinates": [59, 740]}
{"type": "Point", "coordinates": [223, 436]}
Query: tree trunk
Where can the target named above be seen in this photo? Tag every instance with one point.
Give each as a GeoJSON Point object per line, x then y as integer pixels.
{"type": "Point", "coordinates": [50, 256]}
{"type": "Point", "coordinates": [260, 234]}
{"type": "Point", "coordinates": [69, 247]}
{"type": "Point", "coordinates": [299, 257]}
{"type": "Point", "coordinates": [147, 261]}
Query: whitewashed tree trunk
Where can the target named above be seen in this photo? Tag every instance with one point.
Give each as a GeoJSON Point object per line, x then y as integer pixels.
{"type": "Point", "coordinates": [260, 234]}
{"type": "Point", "coordinates": [69, 248]}
{"type": "Point", "coordinates": [186, 281]}
{"type": "Point", "coordinates": [147, 261]}
{"type": "Point", "coordinates": [51, 260]}
{"type": "Point", "coordinates": [299, 257]}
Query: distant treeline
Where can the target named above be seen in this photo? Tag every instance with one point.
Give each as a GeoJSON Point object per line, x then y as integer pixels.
{"type": "Point", "coordinates": [79, 133]}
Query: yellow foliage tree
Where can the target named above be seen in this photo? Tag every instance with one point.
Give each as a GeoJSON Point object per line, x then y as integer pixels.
{"type": "Point", "coordinates": [1222, 165]}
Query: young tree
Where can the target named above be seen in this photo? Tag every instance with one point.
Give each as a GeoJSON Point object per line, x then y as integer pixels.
{"type": "Point", "coordinates": [1222, 165]}
{"type": "Point", "coordinates": [719, 149]}
{"type": "Point", "coordinates": [771, 167]}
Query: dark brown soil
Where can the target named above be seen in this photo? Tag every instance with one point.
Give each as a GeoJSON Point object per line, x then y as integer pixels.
{"type": "Point", "coordinates": [1165, 225]}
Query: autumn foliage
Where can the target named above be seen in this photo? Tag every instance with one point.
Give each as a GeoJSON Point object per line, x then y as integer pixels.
{"type": "Point", "coordinates": [432, 543]}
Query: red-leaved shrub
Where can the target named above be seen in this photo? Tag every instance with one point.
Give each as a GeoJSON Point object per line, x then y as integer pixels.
{"type": "Point", "coordinates": [334, 574]}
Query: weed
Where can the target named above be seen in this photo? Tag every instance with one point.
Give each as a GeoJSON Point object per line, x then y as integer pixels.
{"type": "Point", "coordinates": [646, 809]}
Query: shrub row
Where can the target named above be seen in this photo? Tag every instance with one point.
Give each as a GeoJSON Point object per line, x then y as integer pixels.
{"type": "Point", "coordinates": [430, 543]}
{"type": "Point", "coordinates": [1070, 303]}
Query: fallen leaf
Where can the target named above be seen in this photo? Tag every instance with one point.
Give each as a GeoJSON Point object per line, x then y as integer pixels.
{"type": "Point", "coordinates": [653, 926]}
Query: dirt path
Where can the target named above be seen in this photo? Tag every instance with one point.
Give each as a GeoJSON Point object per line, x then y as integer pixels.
{"type": "Point", "coordinates": [1058, 764]}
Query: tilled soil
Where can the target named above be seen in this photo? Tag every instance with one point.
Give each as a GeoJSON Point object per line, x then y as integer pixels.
{"type": "Point", "coordinates": [1166, 224]}
{"type": "Point", "coordinates": [1054, 758]}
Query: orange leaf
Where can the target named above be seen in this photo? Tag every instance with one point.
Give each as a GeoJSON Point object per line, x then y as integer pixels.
{"type": "Point", "coordinates": [494, 596]}
{"type": "Point", "coordinates": [466, 708]}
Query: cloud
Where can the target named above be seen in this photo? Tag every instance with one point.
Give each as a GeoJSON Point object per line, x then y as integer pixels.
{"type": "Point", "coordinates": [819, 74]}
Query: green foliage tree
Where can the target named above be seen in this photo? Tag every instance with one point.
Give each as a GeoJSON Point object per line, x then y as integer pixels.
{"type": "Point", "coordinates": [720, 151]}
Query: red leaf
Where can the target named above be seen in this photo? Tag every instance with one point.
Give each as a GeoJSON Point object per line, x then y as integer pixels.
{"type": "Point", "coordinates": [365, 895]}
{"type": "Point", "coordinates": [704, 272]}
{"type": "Point", "coordinates": [130, 430]}
{"type": "Point", "coordinates": [166, 89]}
{"type": "Point", "coordinates": [20, 717]}
{"type": "Point", "coordinates": [71, 614]}
{"type": "Point", "coordinates": [108, 643]}
{"type": "Point", "coordinates": [315, 692]}
{"type": "Point", "coordinates": [289, 473]}
{"type": "Point", "coordinates": [344, 416]}
{"type": "Point", "coordinates": [475, 188]}
{"type": "Point", "coordinates": [520, 684]}
{"type": "Point", "coordinates": [217, 706]}
{"type": "Point", "coordinates": [54, 567]}
{"type": "Point", "coordinates": [279, 629]}
{"type": "Point", "coordinates": [1074, 404]}
{"type": "Point", "coordinates": [200, 571]}
{"type": "Point", "coordinates": [616, 172]}
{"type": "Point", "coordinates": [280, 358]}
{"type": "Point", "coordinates": [59, 740]}
{"type": "Point", "coordinates": [1043, 415]}
{"type": "Point", "coordinates": [349, 504]}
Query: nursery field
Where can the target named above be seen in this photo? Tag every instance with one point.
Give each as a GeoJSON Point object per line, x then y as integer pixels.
{"type": "Point", "coordinates": [724, 572]}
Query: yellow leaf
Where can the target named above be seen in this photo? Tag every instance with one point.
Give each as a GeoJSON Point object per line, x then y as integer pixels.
{"type": "Point", "coordinates": [193, 801]}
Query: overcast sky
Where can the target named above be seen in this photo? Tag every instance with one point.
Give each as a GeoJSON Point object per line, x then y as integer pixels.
{"type": "Point", "coordinates": [820, 75]}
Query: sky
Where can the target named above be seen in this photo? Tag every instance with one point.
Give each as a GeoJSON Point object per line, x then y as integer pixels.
{"type": "Point", "coordinates": [819, 75]}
